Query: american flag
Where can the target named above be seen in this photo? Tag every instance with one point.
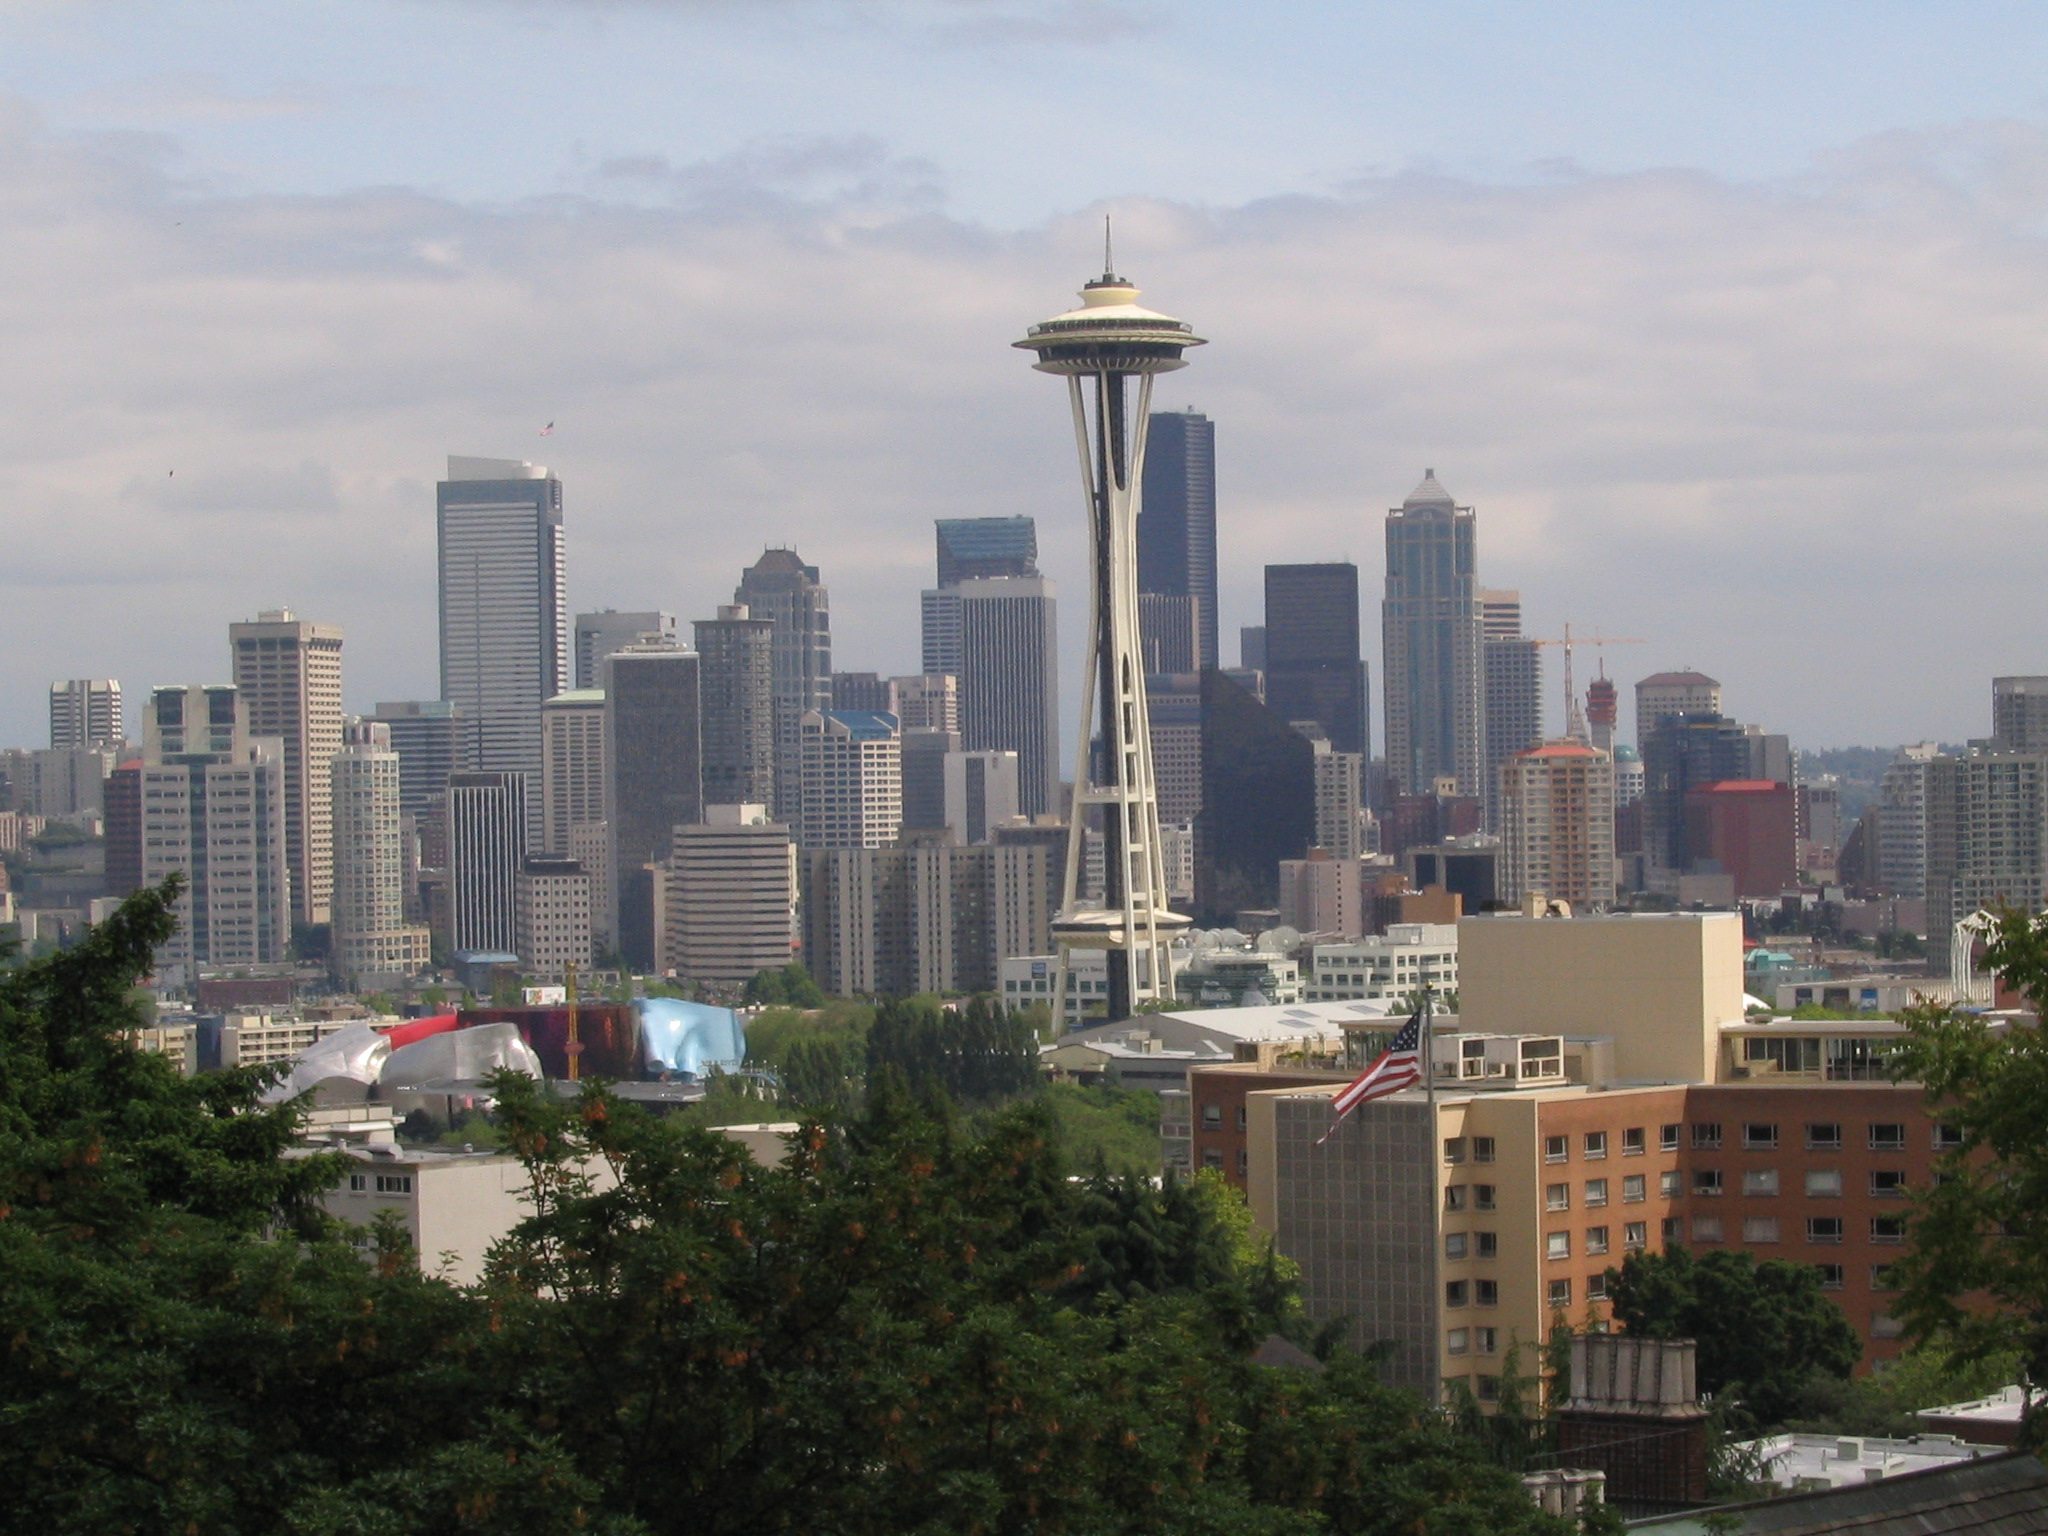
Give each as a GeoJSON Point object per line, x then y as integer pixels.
{"type": "Point", "coordinates": [1399, 1066]}
{"type": "Point", "coordinates": [548, 430]}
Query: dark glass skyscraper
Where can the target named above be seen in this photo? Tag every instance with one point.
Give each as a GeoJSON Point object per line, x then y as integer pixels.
{"type": "Point", "coordinates": [779, 587]}
{"type": "Point", "coordinates": [1177, 519]}
{"type": "Point", "coordinates": [653, 768]}
{"type": "Point", "coordinates": [972, 547]}
{"type": "Point", "coordinates": [1314, 670]}
{"type": "Point", "coordinates": [1258, 801]}
{"type": "Point", "coordinates": [1432, 659]}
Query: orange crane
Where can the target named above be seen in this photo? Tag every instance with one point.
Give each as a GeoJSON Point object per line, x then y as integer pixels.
{"type": "Point", "coordinates": [1574, 717]}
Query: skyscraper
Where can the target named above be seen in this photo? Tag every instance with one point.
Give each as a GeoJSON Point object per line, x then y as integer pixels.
{"type": "Point", "coordinates": [1685, 752]}
{"type": "Point", "coordinates": [289, 674]}
{"type": "Point", "coordinates": [2019, 713]}
{"type": "Point", "coordinates": [1664, 694]}
{"type": "Point", "coordinates": [1099, 349]}
{"type": "Point", "coordinates": [998, 636]}
{"type": "Point", "coordinates": [86, 712]}
{"type": "Point", "coordinates": [487, 822]}
{"type": "Point", "coordinates": [1514, 683]}
{"type": "Point", "coordinates": [1987, 839]}
{"type": "Point", "coordinates": [504, 611]}
{"type": "Point", "coordinates": [780, 588]}
{"type": "Point", "coordinates": [599, 634]}
{"type": "Point", "coordinates": [928, 701]}
{"type": "Point", "coordinates": [1313, 666]}
{"type": "Point", "coordinates": [981, 793]}
{"type": "Point", "coordinates": [1258, 801]}
{"type": "Point", "coordinates": [972, 547]}
{"type": "Point", "coordinates": [371, 935]}
{"type": "Point", "coordinates": [1557, 824]}
{"type": "Point", "coordinates": [572, 776]}
{"type": "Point", "coordinates": [212, 810]}
{"type": "Point", "coordinates": [731, 904]}
{"type": "Point", "coordinates": [426, 735]}
{"type": "Point", "coordinates": [736, 673]}
{"type": "Point", "coordinates": [1177, 523]}
{"type": "Point", "coordinates": [653, 772]}
{"type": "Point", "coordinates": [1431, 636]}
{"type": "Point", "coordinates": [853, 780]}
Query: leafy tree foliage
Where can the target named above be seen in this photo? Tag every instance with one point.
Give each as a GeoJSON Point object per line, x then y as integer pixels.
{"type": "Point", "coordinates": [1763, 1329]}
{"type": "Point", "coordinates": [787, 986]}
{"type": "Point", "coordinates": [981, 1054]}
{"type": "Point", "coordinates": [1976, 1268]}
{"type": "Point", "coordinates": [904, 1328]}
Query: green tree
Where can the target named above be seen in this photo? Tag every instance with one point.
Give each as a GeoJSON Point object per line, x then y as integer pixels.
{"type": "Point", "coordinates": [1976, 1267]}
{"type": "Point", "coordinates": [1764, 1330]}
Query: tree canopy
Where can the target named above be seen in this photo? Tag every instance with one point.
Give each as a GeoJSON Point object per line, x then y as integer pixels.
{"type": "Point", "coordinates": [1764, 1330]}
{"type": "Point", "coordinates": [907, 1326]}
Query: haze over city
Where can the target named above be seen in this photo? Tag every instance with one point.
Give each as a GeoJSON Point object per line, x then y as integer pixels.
{"type": "Point", "coordinates": [1747, 368]}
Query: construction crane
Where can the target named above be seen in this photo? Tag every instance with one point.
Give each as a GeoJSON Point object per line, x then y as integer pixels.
{"type": "Point", "coordinates": [574, 1046]}
{"type": "Point", "coordinates": [1574, 716]}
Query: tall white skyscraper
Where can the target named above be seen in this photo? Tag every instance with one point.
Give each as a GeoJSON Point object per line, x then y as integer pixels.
{"type": "Point", "coordinates": [371, 935]}
{"type": "Point", "coordinates": [853, 779]}
{"type": "Point", "coordinates": [999, 636]}
{"type": "Point", "coordinates": [572, 769]}
{"type": "Point", "coordinates": [289, 674]}
{"type": "Point", "coordinates": [212, 810]}
{"type": "Point", "coordinates": [86, 712]}
{"type": "Point", "coordinates": [504, 616]}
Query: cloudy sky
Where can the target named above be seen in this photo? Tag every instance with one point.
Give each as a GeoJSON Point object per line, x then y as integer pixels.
{"type": "Point", "coordinates": [1731, 321]}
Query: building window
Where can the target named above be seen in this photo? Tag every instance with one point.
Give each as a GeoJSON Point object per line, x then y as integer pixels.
{"type": "Point", "coordinates": [1759, 1229]}
{"type": "Point", "coordinates": [1212, 1157]}
{"type": "Point", "coordinates": [1667, 1138]}
{"type": "Point", "coordinates": [1596, 1192]}
{"type": "Point", "coordinates": [1760, 1181]}
{"type": "Point", "coordinates": [1830, 1276]}
{"type": "Point", "coordinates": [1454, 1197]}
{"type": "Point", "coordinates": [394, 1183]}
{"type": "Point", "coordinates": [1668, 1184]}
{"type": "Point", "coordinates": [1887, 1138]}
{"type": "Point", "coordinates": [1240, 1117]}
{"type": "Point", "coordinates": [1883, 1327]}
{"type": "Point", "coordinates": [1706, 1229]}
{"type": "Point", "coordinates": [1560, 1293]}
{"type": "Point", "coordinates": [1212, 1117]}
{"type": "Point", "coordinates": [1482, 1197]}
{"type": "Point", "coordinates": [1482, 1149]}
{"type": "Point", "coordinates": [1596, 1287]}
{"type": "Point", "coordinates": [1673, 1229]}
{"type": "Point", "coordinates": [1244, 1161]}
{"type": "Point", "coordinates": [1486, 1340]}
{"type": "Point", "coordinates": [1596, 1240]}
{"type": "Point", "coordinates": [1556, 1148]}
{"type": "Point", "coordinates": [1759, 1138]}
{"type": "Point", "coordinates": [1948, 1138]}
{"type": "Point", "coordinates": [1706, 1181]}
{"type": "Point", "coordinates": [1887, 1229]}
{"type": "Point", "coordinates": [1454, 1245]}
{"type": "Point", "coordinates": [1485, 1244]}
{"type": "Point", "coordinates": [1486, 1388]}
{"type": "Point", "coordinates": [1454, 1149]}
{"type": "Point", "coordinates": [1486, 1292]}
{"type": "Point", "coordinates": [1635, 1236]}
{"type": "Point", "coordinates": [1884, 1277]}
{"type": "Point", "coordinates": [1706, 1134]}
{"type": "Point", "coordinates": [1456, 1293]}
{"type": "Point", "coordinates": [1824, 1183]}
{"type": "Point", "coordinates": [1888, 1183]}
{"type": "Point", "coordinates": [1557, 1245]}
{"type": "Point", "coordinates": [1457, 1341]}
{"type": "Point", "coordinates": [1557, 1197]}
{"type": "Point", "coordinates": [1823, 1136]}
{"type": "Point", "coordinates": [358, 1182]}
{"type": "Point", "coordinates": [1596, 1145]}
{"type": "Point", "coordinates": [1633, 1141]}
{"type": "Point", "coordinates": [1823, 1229]}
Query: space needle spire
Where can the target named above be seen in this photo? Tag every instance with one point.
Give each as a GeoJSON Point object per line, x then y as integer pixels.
{"type": "Point", "coordinates": [1101, 348]}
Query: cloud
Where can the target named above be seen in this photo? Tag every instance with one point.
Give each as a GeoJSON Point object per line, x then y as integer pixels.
{"type": "Point", "coordinates": [1787, 431]}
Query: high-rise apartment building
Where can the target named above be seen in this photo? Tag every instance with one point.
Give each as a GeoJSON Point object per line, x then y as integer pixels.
{"type": "Point", "coordinates": [780, 588]}
{"type": "Point", "coordinates": [1177, 525]}
{"type": "Point", "coordinates": [289, 674]}
{"type": "Point", "coordinates": [2019, 713]}
{"type": "Point", "coordinates": [852, 780]}
{"type": "Point", "coordinates": [427, 736]}
{"type": "Point", "coordinates": [1663, 694]}
{"type": "Point", "coordinates": [1514, 689]}
{"type": "Point", "coordinates": [552, 916]}
{"type": "Point", "coordinates": [1340, 802]}
{"type": "Point", "coordinates": [213, 810]}
{"type": "Point", "coordinates": [607, 630]}
{"type": "Point", "coordinates": [1987, 838]}
{"type": "Point", "coordinates": [731, 904]}
{"type": "Point", "coordinates": [1557, 825]}
{"type": "Point", "coordinates": [998, 636]}
{"type": "Point", "coordinates": [1313, 666]}
{"type": "Point", "coordinates": [970, 548]}
{"type": "Point", "coordinates": [572, 773]}
{"type": "Point", "coordinates": [736, 675]}
{"type": "Point", "coordinates": [371, 936]}
{"type": "Point", "coordinates": [86, 712]}
{"type": "Point", "coordinates": [653, 772]}
{"type": "Point", "coordinates": [487, 822]}
{"type": "Point", "coordinates": [1902, 820]}
{"type": "Point", "coordinates": [504, 611]}
{"type": "Point", "coordinates": [1432, 660]}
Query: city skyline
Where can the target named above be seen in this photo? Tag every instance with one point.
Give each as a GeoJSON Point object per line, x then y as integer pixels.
{"type": "Point", "coordinates": [297, 352]}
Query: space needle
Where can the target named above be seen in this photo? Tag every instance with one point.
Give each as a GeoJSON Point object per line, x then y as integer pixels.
{"type": "Point", "coordinates": [1100, 348]}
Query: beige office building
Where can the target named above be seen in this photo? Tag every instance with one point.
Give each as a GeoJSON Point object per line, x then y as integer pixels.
{"type": "Point", "coordinates": [289, 674]}
{"type": "Point", "coordinates": [571, 766]}
{"type": "Point", "coordinates": [371, 937]}
{"type": "Point", "coordinates": [731, 907]}
{"type": "Point", "coordinates": [1663, 694]}
{"type": "Point", "coordinates": [553, 917]}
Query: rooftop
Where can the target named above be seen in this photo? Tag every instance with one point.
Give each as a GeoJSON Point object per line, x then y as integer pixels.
{"type": "Point", "coordinates": [1430, 493]}
{"type": "Point", "coordinates": [1678, 680]}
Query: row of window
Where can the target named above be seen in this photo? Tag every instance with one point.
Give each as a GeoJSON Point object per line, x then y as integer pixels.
{"type": "Point", "coordinates": [1757, 1136]}
{"type": "Point", "coordinates": [1634, 1189]}
{"type": "Point", "coordinates": [1885, 1183]}
{"type": "Point", "coordinates": [386, 1183]}
{"type": "Point", "coordinates": [1635, 1236]}
{"type": "Point", "coordinates": [1819, 1229]}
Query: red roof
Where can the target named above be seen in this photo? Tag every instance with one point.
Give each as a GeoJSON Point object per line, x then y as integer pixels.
{"type": "Point", "coordinates": [1565, 748]}
{"type": "Point", "coordinates": [1742, 787]}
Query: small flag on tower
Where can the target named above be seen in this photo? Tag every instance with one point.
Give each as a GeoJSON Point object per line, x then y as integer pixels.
{"type": "Point", "coordinates": [1399, 1066]}
{"type": "Point", "coordinates": [548, 430]}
